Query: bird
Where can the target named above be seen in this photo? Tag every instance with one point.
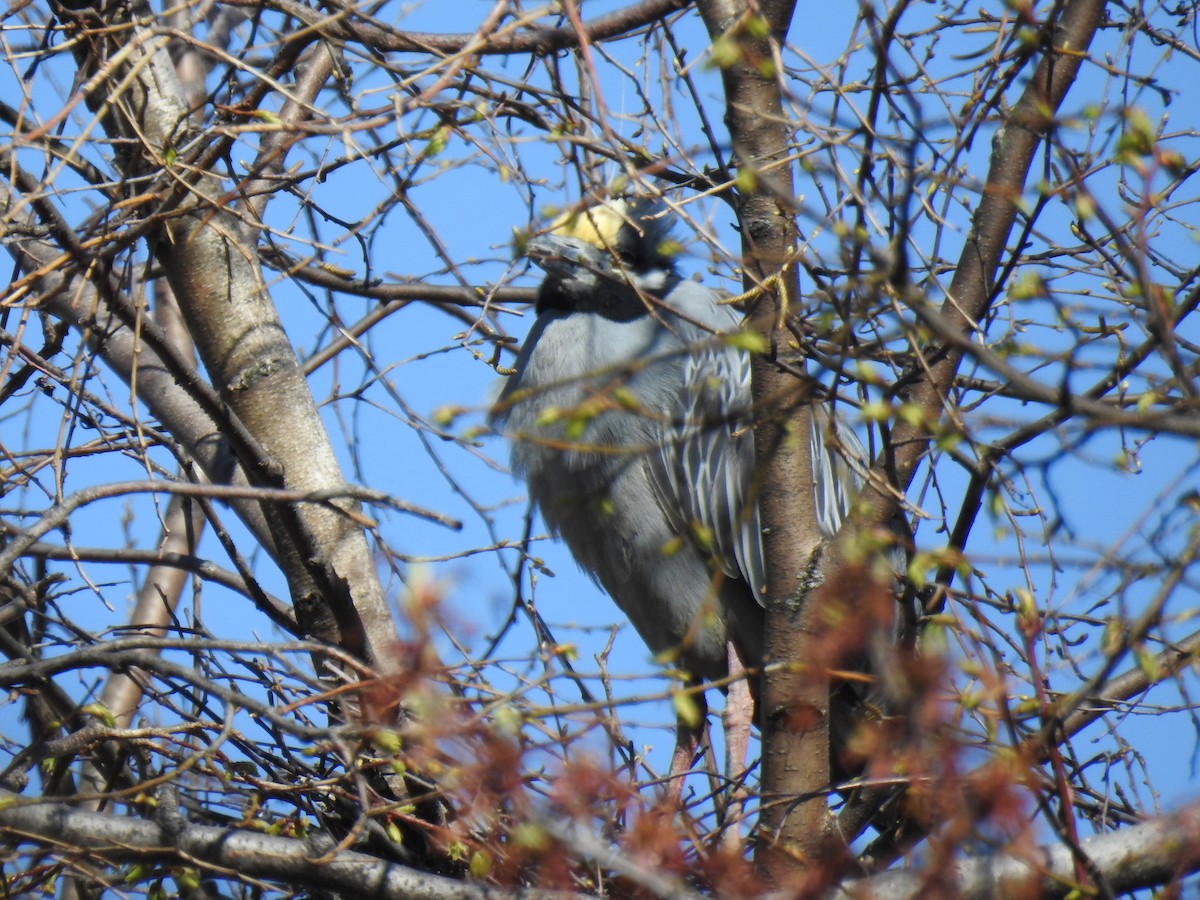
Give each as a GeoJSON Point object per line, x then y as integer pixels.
{"type": "Point", "coordinates": [630, 418]}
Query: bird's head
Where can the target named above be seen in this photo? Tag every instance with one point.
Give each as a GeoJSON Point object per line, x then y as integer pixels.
{"type": "Point", "coordinates": [605, 259]}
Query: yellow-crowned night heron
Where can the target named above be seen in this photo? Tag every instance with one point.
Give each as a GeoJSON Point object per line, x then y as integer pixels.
{"type": "Point", "coordinates": [630, 422]}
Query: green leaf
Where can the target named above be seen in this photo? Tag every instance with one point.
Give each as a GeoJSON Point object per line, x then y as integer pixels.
{"type": "Point", "coordinates": [187, 878]}
{"type": "Point", "coordinates": [747, 340]}
{"type": "Point", "coordinates": [1148, 663]}
{"type": "Point", "coordinates": [911, 414]}
{"type": "Point", "coordinates": [725, 52]}
{"type": "Point", "coordinates": [444, 416]}
{"type": "Point", "coordinates": [530, 836]}
{"type": "Point", "coordinates": [627, 399]}
{"type": "Point", "coordinates": [746, 181]}
{"type": "Point", "coordinates": [508, 719]}
{"type": "Point", "coordinates": [1137, 140]}
{"type": "Point", "coordinates": [394, 833]}
{"type": "Point", "coordinates": [670, 248]}
{"type": "Point", "coordinates": [687, 709]}
{"type": "Point", "coordinates": [101, 712]}
{"type": "Point", "coordinates": [1028, 286]}
{"type": "Point", "coordinates": [437, 143]}
{"type": "Point", "coordinates": [387, 740]}
{"type": "Point", "coordinates": [757, 26]}
{"type": "Point", "coordinates": [876, 411]}
{"type": "Point", "coordinates": [1025, 605]}
{"type": "Point", "coordinates": [481, 865]}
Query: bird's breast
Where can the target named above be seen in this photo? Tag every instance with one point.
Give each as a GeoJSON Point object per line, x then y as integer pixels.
{"type": "Point", "coordinates": [582, 380]}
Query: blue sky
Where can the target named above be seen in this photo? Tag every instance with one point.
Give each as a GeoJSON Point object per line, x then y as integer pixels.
{"type": "Point", "coordinates": [1090, 503]}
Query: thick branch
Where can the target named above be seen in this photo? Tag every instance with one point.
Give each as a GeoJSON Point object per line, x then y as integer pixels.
{"type": "Point", "coordinates": [1152, 854]}
{"type": "Point", "coordinates": [973, 287]}
{"type": "Point", "coordinates": [212, 263]}
{"type": "Point", "coordinates": [225, 850]}
{"type": "Point", "coordinates": [794, 692]}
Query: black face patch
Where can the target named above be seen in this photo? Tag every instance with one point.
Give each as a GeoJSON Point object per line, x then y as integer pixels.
{"type": "Point", "coordinates": [607, 261]}
{"type": "Point", "coordinates": [608, 296]}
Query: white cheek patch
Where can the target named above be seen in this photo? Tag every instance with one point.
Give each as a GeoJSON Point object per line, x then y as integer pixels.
{"type": "Point", "coordinates": [654, 280]}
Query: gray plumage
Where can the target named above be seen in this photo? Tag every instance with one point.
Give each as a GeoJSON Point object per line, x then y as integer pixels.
{"type": "Point", "coordinates": [629, 418]}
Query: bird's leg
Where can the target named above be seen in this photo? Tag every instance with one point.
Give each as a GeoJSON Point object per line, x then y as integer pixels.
{"type": "Point", "coordinates": [687, 740]}
{"type": "Point", "coordinates": [738, 717]}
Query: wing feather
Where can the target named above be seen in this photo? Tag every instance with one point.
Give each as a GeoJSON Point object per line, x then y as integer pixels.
{"type": "Point", "coordinates": [707, 463]}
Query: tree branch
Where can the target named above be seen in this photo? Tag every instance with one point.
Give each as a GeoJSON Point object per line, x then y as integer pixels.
{"type": "Point", "coordinates": [1153, 853]}
{"type": "Point", "coordinates": [225, 850]}
{"type": "Point", "coordinates": [535, 40]}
